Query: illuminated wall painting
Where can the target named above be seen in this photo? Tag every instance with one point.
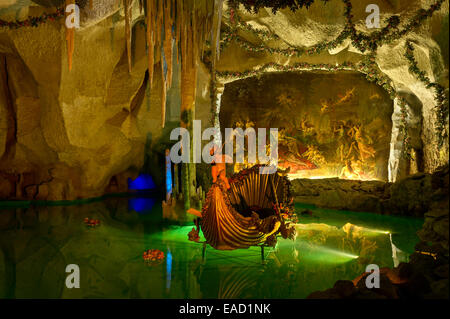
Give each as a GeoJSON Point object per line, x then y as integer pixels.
{"type": "Point", "coordinates": [330, 125]}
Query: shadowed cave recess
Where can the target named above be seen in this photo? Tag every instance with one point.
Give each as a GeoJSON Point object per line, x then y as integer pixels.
{"type": "Point", "coordinates": [86, 116]}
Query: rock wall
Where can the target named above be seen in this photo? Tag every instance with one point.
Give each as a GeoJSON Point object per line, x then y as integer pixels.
{"type": "Point", "coordinates": [426, 275]}
{"type": "Point", "coordinates": [341, 194]}
{"type": "Point", "coordinates": [80, 133]}
{"type": "Point", "coordinates": [412, 196]}
{"type": "Point", "coordinates": [66, 135]}
{"type": "Point", "coordinates": [323, 22]}
{"type": "Point", "coordinates": [435, 229]}
{"type": "Point", "coordinates": [73, 130]}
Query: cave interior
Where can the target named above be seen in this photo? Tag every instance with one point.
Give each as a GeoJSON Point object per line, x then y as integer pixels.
{"type": "Point", "coordinates": [361, 114]}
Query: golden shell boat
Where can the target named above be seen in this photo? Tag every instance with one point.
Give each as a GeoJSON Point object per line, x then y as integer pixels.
{"type": "Point", "coordinates": [252, 212]}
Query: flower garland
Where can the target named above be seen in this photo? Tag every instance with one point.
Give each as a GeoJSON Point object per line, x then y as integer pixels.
{"type": "Point", "coordinates": [231, 35]}
{"type": "Point", "coordinates": [403, 128]}
{"type": "Point", "coordinates": [301, 66]}
{"type": "Point", "coordinates": [362, 41]}
{"type": "Point", "coordinates": [33, 21]}
{"type": "Point", "coordinates": [255, 5]}
{"type": "Point", "coordinates": [238, 22]}
{"type": "Point", "coordinates": [367, 67]}
{"type": "Point", "coordinates": [440, 97]}
{"type": "Point", "coordinates": [420, 16]}
{"type": "Point", "coordinates": [359, 40]}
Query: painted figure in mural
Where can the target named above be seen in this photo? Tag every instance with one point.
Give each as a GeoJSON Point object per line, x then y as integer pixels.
{"type": "Point", "coordinates": [291, 154]}
{"type": "Point", "coordinates": [339, 130]}
{"type": "Point", "coordinates": [326, 105]}
{"type": "Point", "coordinates": [348, 171]}
{"type": "Point", "coordinates": [305, 126]}
{"type": "Point", "coordinates": [361, 142]}
{"type": "Point", "coordinates": [348, 96]}
{"type": "Point", "coordinates": [365, 150]}
{"type": "Point", "coordinates": [329, 105]}
{"type": "Point", "coordinates": [354, 149]}
{"type": "Point", "coordinates": [314, 155]}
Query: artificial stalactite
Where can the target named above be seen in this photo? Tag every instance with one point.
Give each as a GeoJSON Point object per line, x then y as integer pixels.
{"type": "Point", "coordinates": [70, 38]}
{"type": "Point", "coordinates": [175, 181]}
{"type": "Point", "coordinates": [188, 68]}
{"type": "Point", "coordinates": [128, 17]}
{"type": "Point", "coordinates": [166, 54]}
{"type": "Point", "coordinates": [159, 23]}
{"type": "Point", "coordinates": [187, 95]}
{"type": "Point", "coordinates": [219, 21]}
{"type": "Point", "coordinates": [185, 185]}
{"type": "Point", "coordinates": [189, 23]}
{"type": "Point", "coordinates": [150, 39]}
{"type": "Point", "coordinates": [215, 33]}
{"type": "Point", "coordinates": [168, 23]}
{"type": "Point", "coordinates": [178, 21]}
{"type": "Point", "coordinates": [163, 94]}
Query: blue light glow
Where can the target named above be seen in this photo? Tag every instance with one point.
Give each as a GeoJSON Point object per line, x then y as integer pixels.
{"type": "Point", "coordinates": [168, 269]}
{"type": "Point", "coordinates": [141, 205]}
{"type": "Point", "coordinates": [168, 175]}
{"type": "Point", "coordinates": [142, 182]}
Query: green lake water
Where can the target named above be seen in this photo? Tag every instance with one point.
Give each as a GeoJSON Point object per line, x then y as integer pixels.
{"type": "Point", "coordinates": [37, 243]}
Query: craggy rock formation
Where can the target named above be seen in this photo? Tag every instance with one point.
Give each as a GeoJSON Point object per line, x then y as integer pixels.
{"type": "Point", "coordinates": [436, 228]}
{"type": "Point", "coordinates": [323, 22]}
{"type": "Point", "coordinates": [426, 275]}
{"type": "Point", "coordinates": [77, 134]}
{"type": "Point", "coordinates": [81, 133]}
{"type": "Point", "coordinates": [411, 196]}
{"type": "Point", "coordinates": [341, 194]}
{"type": "Point", "coordinates": [72, 131]}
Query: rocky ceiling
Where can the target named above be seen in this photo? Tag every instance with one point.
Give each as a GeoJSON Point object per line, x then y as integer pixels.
{"type": "Point", "coordinates": [90, 121]}
{"type": "Point", "coordinates": [323, 22]}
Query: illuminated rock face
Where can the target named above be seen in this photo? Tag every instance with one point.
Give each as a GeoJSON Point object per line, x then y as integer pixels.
{"type": "Point", "coordinates": [323, 22]}
{"type": "Point", "coordinates": [65, 135]}
{"type": "Point", "coordinates": [73, 130]}
{"type": "Point", "coordinates": [316, 121]}
{"type": "Point", "coordinates": [412, 196]}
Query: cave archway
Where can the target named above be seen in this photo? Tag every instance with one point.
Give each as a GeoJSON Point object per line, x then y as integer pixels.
{"type": "Point", "coordinates": [330, 124]}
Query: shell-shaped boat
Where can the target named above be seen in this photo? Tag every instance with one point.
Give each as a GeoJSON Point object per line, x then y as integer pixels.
{"type": "Point", "coordinates": [247, 214]}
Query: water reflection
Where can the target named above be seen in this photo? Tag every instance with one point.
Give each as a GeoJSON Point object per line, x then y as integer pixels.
{"type": "Point", "coordinates": [37, 243]}
{"type": "Point", "coordinates": [168, 269]}
{"type": "Point", "coordinates": [141, 205]}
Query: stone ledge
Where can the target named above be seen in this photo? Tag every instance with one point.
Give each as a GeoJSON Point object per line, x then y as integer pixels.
{"type": "Point", "coordinates": [411, 196]}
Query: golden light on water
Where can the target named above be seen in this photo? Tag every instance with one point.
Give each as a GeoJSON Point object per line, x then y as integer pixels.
{"type": "Point", "coordinates": [337, 252]}
{"type": "Point", "coordinates": [377, 231]}
{"type": "Point", "coordinates": [305, 175]}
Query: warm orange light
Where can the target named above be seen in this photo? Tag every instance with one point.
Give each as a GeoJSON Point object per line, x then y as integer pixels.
{"type": "Point", "coordinates": [354, 178]}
